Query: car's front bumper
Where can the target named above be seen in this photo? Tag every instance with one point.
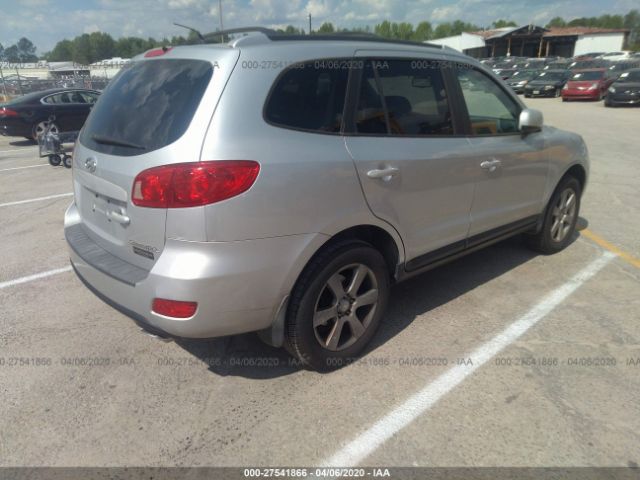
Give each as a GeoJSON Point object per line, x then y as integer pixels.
{"type": "Point", "coordinates": [239, 286]}
{"type": "Point", "coordinates": [623, 99]}
{"type": "Point", "coordinates": [581, 94]}
{"type": "Point", "coordinates": [517, 88]}
{"type": "Point", "coordinates": [540, 92]}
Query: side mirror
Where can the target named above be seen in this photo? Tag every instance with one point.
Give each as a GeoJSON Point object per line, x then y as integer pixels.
{"type": "Point", "coordinates": [530, 121]}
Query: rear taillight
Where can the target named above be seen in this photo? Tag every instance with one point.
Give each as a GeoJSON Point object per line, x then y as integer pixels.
{"type": "Point", "coordinates": [193, 184]}
{"type": "Point", "coordinates": [174, 308]}
{"type": "Point", "coordinates": [7, 112]}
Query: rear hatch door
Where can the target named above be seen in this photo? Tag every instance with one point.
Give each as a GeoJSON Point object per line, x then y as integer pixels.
{"type": "Point", "coordinates": [154, 112]}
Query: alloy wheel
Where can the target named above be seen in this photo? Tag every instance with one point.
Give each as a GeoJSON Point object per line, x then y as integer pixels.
{"type": "Point", "coordinates": [41, 127]}
{"type": "Point", "coordinates": [563, 215]}
{"type": "Point", "coordinates": [345, 307]}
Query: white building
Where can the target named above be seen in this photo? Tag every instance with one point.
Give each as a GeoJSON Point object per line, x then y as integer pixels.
{"type": "Point", "coordinates": [535, 41]}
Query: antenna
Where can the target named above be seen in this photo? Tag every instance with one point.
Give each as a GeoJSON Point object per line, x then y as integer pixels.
{"type": "Point", "coordinates": [200, 36]}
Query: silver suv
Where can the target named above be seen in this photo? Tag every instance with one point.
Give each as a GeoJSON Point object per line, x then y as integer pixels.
{"type": "Point", "coordinates": [281, 184]}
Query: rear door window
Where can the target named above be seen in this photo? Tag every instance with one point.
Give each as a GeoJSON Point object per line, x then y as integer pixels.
{"type": "Point", "coordinates": [310, 96]}
{"type": "Point", "coordinates": [147, 106]}
{"type": "Point", "coordinates": [413, 93]}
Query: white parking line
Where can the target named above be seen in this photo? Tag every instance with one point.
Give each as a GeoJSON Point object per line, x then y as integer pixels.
{"type": "Point", "coordinates": [20, 168]}
{"type": "Point", "coordinates": [367, 442]}
{"type": "Point", "coordinates": [50, 197]}
{"type": "Point", "coordinates": [31, 278]}
{"type": "Point", "coordinates": [18, 150]}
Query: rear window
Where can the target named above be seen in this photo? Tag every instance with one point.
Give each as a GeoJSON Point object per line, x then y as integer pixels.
{"type": "Point", "coordinates": [147, 106]}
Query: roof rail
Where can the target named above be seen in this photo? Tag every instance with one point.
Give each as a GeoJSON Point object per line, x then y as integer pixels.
{"type": "Point", "coordinates": [349, 36]}
{"type": "Point", "coordinates": [338, 36]}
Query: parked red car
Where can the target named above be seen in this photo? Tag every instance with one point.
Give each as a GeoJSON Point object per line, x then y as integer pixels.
{"type": "Point", "coordinates": [588, 84]}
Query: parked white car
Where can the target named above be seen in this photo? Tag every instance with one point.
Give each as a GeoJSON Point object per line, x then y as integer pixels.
{"type": "Point", "coordinates": [616, 56]}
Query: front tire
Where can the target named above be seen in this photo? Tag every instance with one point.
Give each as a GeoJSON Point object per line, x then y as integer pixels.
{"type": "Point", "coordinates": [560, 218]}
{"type": "Point", "coordinates": [336, 305]}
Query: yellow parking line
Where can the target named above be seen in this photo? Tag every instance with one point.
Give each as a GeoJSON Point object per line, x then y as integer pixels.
{"type": "Point", "coordinates": [612, 248]}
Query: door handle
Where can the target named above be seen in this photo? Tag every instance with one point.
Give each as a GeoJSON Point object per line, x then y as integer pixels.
{"type": "Point", "coordinates": [385, 174]}
{"type": "Point", "coordinates": [491, 165]}
{"type": "Point", "coordinates": [118, 217]}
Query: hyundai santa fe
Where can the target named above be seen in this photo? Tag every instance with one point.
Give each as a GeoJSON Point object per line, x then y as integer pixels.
{"type": "Point", "coordinates": [281, 184]}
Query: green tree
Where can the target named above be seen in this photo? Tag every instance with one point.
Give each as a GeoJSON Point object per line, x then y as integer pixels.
{"type": "Point", "coordinates": [26, 51]}
{"type": "Point", "coordinates": [456, 28]}
{"type": "Point", "coordinates": [402, 31]}
{"type": "Point", "coordinates": [12, 54]}
{"type": "Point", "coordinates": [423, 32]}
{"type": "Point", "coordinates": [556, 22]}
{"type": "Point", "coordinates": [81, 51]}
{"type": "Point", "coordinates": [632, 22]}
{"type": "Point", "coordinates": [102, 46]}
{"type": "Point", "coordinates": [504, 23]}
{"type": "Point", "coordinates": [383, 29]}
{"type": "Point", "coordinates": [62, 52]}
{"type": "Point", "coordinates": [1, 53]}
{"type": "Point", "coordinates": [326, 27]}
{"type": "Point", "coordinates": [443, 30]}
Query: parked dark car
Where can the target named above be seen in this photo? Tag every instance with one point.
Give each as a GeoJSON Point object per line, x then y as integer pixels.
{"type": "Point", "coordinates": [27, 116]}
{"type": "Point", "coordinates": [617, 68]}
{"type": "Point", "coordinates": [504, 73]}
{"type": "Point", "coordinates": [521, 78]}
{"type": "Point", "coordinates": [560, 64]}
{"type": "Point", "coordinates": [592, 63]}
{"type": "Point", "coordinates": [548, 84]}
{"type": "Point", "coordinates": [625, 90]}
{"type": "Point", "coordinates": [588, 56]}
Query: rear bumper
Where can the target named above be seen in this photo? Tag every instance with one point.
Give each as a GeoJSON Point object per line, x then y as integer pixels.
{"type": "Point", "coordinates": [14, 129]}
{"type": "Point", "coordinates": [238, 286]}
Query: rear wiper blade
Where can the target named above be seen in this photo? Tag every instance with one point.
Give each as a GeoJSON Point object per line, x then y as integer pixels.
{"type": "Point", "coordinates": [112, 141]}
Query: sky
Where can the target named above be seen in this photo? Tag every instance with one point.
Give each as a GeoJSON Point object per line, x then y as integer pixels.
{"type": "Point", "coordinates": [45, 22]}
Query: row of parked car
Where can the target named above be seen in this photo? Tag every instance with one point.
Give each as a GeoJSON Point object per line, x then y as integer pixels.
{"type": "Point", "coordinates": [614, 78]}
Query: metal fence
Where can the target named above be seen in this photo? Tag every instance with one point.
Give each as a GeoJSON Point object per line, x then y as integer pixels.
{"type": "Point", "coordinates": [14, 86]}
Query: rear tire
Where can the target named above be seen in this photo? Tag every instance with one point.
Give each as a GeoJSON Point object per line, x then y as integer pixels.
{"type": "Point", "coordinates": [55, 160]}
{"type": "Point", "coordinates": [336, 305]}
{"type": "Point", "coordinates": [40, 127]}
{"type": "Point", "coordinates": [67, 161]}
{"type": "Point", "coordinates": [560, 218]}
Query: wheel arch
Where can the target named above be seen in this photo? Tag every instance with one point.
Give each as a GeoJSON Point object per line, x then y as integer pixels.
{"type": "Point", "coordinates": [578, 172]}
{"type": "Point", "coordinates": [388, 243]}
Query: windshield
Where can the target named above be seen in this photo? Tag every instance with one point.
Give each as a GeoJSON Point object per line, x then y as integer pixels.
{"type": "Point", "coordinates": [147, 106]}
{"type": "Point", "coordinates": [585, 76]}
{"type": "Point", "coordinates": [630, 76]}
{"type": "Point", "coordinates": [550, 76]}
{"type": "Point", "coordinates": [524, 75]}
